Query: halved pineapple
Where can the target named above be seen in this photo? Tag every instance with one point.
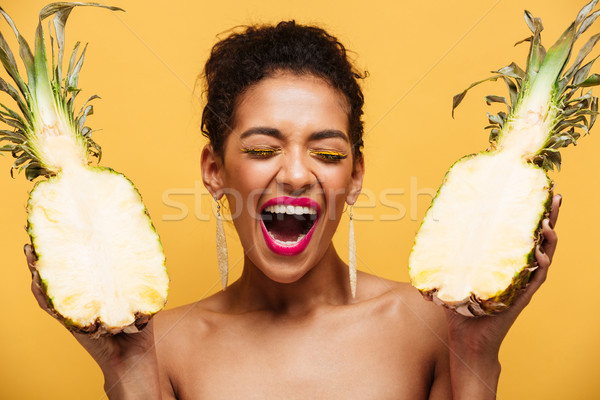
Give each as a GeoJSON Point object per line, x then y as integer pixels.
{"type": "Point", "coordinates": [100, 259]}
{"type": "Point", "coordinates": [476, 246]}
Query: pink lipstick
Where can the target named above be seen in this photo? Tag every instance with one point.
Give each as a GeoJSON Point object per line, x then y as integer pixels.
{"type": "Point", "coordinates": [288, 223]}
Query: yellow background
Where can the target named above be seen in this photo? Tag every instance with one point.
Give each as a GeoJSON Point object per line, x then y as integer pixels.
{"type": "Point", "coordinates": [144, 64]}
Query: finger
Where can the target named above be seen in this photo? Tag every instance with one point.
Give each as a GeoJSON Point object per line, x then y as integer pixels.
{"type": "Point", "coordinates": [36, 287]}
{"type": "Point", "coordinates": [550, 239]}
{"type": "Point", "coordinates": [537, 278]}
{"type": "Point", "coordinates": [141, 323]}
{"type": "Point", "coordinates": [556, 202]}
{"type": "Point", "coordinates": [540, 274]}
{"type": "Point", "coordinates": [38, 293]}
{"type": "Point", "coordinates": [31, 259]}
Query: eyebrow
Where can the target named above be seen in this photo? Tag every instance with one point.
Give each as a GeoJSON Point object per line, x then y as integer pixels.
{"type": "Point", "coordinates": [276, 133]}
{"type": "Point", "coordinates": [262, 131]}
{"type": "Point", "coordinates": [329, 133]}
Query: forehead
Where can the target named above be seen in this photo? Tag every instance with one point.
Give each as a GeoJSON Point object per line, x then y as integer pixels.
{"type": "Point", "coordinates": [292, 102]}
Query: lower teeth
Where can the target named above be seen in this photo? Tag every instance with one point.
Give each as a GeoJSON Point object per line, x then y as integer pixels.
{"type": "Point", "coordinates": [281, 242]}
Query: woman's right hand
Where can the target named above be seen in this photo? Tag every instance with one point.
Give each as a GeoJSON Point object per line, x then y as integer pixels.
{"type": "Point", "coordinates": [128, 361]}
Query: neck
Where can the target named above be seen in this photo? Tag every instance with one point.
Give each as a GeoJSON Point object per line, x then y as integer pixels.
{"type": "Point", "coordinates": [325, 284]}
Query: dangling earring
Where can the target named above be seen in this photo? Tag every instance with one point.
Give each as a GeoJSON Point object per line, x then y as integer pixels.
{"type": "Point", "coordinates": [352, 256]}
{"type": "Point", "coordinates": [222, 258]}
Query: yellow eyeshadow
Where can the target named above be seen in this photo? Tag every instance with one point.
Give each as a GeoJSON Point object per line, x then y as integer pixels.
{"type": "Point", "coordinates": [260, 152]}
{"type": "Point", "coordinates": [328, 154]}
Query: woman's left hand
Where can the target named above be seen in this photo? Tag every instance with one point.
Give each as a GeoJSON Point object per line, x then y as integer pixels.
{"type": "Point", "coordinates": [475, 342]}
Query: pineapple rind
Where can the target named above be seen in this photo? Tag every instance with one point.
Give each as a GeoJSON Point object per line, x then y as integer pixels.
{"type": "Point", "coordinates": [96, 327]}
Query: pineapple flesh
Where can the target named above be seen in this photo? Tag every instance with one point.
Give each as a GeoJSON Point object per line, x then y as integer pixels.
{"type": "Point", "coordinates": [476, 246]}
{"type": "Point", "coordinates": [100, 260]}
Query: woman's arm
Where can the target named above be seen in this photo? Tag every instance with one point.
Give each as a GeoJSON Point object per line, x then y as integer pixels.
{"type": "Point", "coordinates": [474, 343]}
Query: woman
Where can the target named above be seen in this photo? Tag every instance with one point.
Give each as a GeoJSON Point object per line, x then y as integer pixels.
{"type": "Point", "coordinates": [283, 116]}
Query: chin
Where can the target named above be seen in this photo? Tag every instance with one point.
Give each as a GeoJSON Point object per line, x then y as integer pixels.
{"type": "Point", "coordinates": [284, 271]}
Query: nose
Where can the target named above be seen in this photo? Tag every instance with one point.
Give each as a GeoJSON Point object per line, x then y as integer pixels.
{"type": "Point", "coordinates": [295, 175]}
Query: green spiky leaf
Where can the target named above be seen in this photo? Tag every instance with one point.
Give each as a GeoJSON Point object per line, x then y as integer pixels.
{"type": "Point", "coordinates": [48, 92]}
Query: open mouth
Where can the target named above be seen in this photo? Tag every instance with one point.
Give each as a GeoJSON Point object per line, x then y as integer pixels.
{"type": "Point", "coordinates": [288, 223]}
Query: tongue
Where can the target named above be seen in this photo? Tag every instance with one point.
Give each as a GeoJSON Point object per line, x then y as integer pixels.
{"type": "Point", "coordinates": [285, 228]}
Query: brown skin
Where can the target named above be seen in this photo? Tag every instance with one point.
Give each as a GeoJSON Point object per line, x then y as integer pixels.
{"type": "Point", "coordinates": [289, 327]}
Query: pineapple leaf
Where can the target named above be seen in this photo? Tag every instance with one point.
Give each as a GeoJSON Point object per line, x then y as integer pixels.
{"type": "Point", "coordinates": [14, 115]}
{"type": "Point", "coordinates": [585, 11]}
{"type": "Point", "coordinates": [34, 169]}
{"type": "Point", "coordinates": [95, 149]}
{"type": "Point", "coordinates": [588, 22]}
{"type": "Point", "coordinates": [583, 72]}
{"type": "Point", "coordinates": [7, 88]}
{"type": "Point", "coordinates": [537, 52]}
{"type": "Point", "coordinates": [47, 85]}
{"type": "Point", "coordinates": [513, 71]}
{"type": "Point", "coordinates": [24, 50]}
{"type": "Point", "coordinates": [70, 68]}
{"type": "Point", "coordinates": [551, 84]}
{"type": "Point", "coordinates": [594, 108]}
{"type": "Point", "coordinates": [513, 91]}
{"type": "Point", "coordinates": [496, 99]}
{"type": "Point", "coordinates": [459, 97]}
{"type": "Point", "coordinates": [535, 24]}
{"type": "Point", "coordinates": [93, 97]}
{"type": "Point", "coordinates": [11, 121]}
{"type": "Point", "coordinates": [4, 132]}
{"type": "Point", "coordinates": [585, 50]}
{"type": "Point", "coordinates": [496, 119]}
{"type": "Point", "coordinates": [494, 134]}
{"type": "Point", "coordinates": [10, 65]}
{"type": "Point", "coordinates": [527, 39]}
{"type": "Point", "coordinates": [8, 147]}
{"type": "Point", "coordinates": [59, 21]}
{"type": "Point", "coordinates": [549, 159]}
{"type": "Point", "coordinates": [43, 81]}
{"type": "Point", "coordinates": [73, 77]}
{"type": "Point", "coordinates": [57, 8]}
{"type": "Point", "coordinates": [20, 161]}
{"type": "Point", "coordinates": [89, 110]}
{"type": "Point", "coordinates": [11, 139]}
{"type": "Point", "coordinates": [592, 80]}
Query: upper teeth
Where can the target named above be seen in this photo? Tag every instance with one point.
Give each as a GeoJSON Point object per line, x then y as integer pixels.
{"type": "Point", "coordinates": [289, 209]}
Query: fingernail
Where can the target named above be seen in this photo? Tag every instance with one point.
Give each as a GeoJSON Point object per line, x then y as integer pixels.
{"type": "Point", "coordinates": [25, 249]}
{"type": "Point", "coordinates": [559, 200]}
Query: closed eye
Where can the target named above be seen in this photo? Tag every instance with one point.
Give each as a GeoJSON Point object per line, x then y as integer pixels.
{"type": "Point", "coordinates": [328, 155]}
{"type": "Point", "coordinates": [261, 152]}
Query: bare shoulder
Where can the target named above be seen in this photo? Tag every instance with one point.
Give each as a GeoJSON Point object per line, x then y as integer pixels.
{"type": "Point", "coordinates": [413, 327]}
{"type": "Point", "coordinates": [178, 322]}
{"type": "Point", "coordinates": [404, 305]}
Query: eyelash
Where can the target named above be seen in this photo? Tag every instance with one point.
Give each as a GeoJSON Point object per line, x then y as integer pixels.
{"type": "Point", "coordinates": [261, 153]}
{"type": "Point", "coordinates": [329, 156]}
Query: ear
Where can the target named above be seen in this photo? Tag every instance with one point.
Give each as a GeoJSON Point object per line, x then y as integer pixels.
{"type": "Point", "coordinates": [356, 181]}
{"type": "Point", "coordinates": [212, 167]}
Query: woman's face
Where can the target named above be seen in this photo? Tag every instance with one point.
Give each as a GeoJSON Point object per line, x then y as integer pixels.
{"type": "Point", "coordinates": [288, 171]}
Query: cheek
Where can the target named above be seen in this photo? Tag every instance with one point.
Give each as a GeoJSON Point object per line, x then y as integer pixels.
{"type": "Point", "coordinates": [245, 183]}
{"type": "Point", "coordinates": [336, 184]}
{"type": "Point", "coordinates": [336, 179]}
